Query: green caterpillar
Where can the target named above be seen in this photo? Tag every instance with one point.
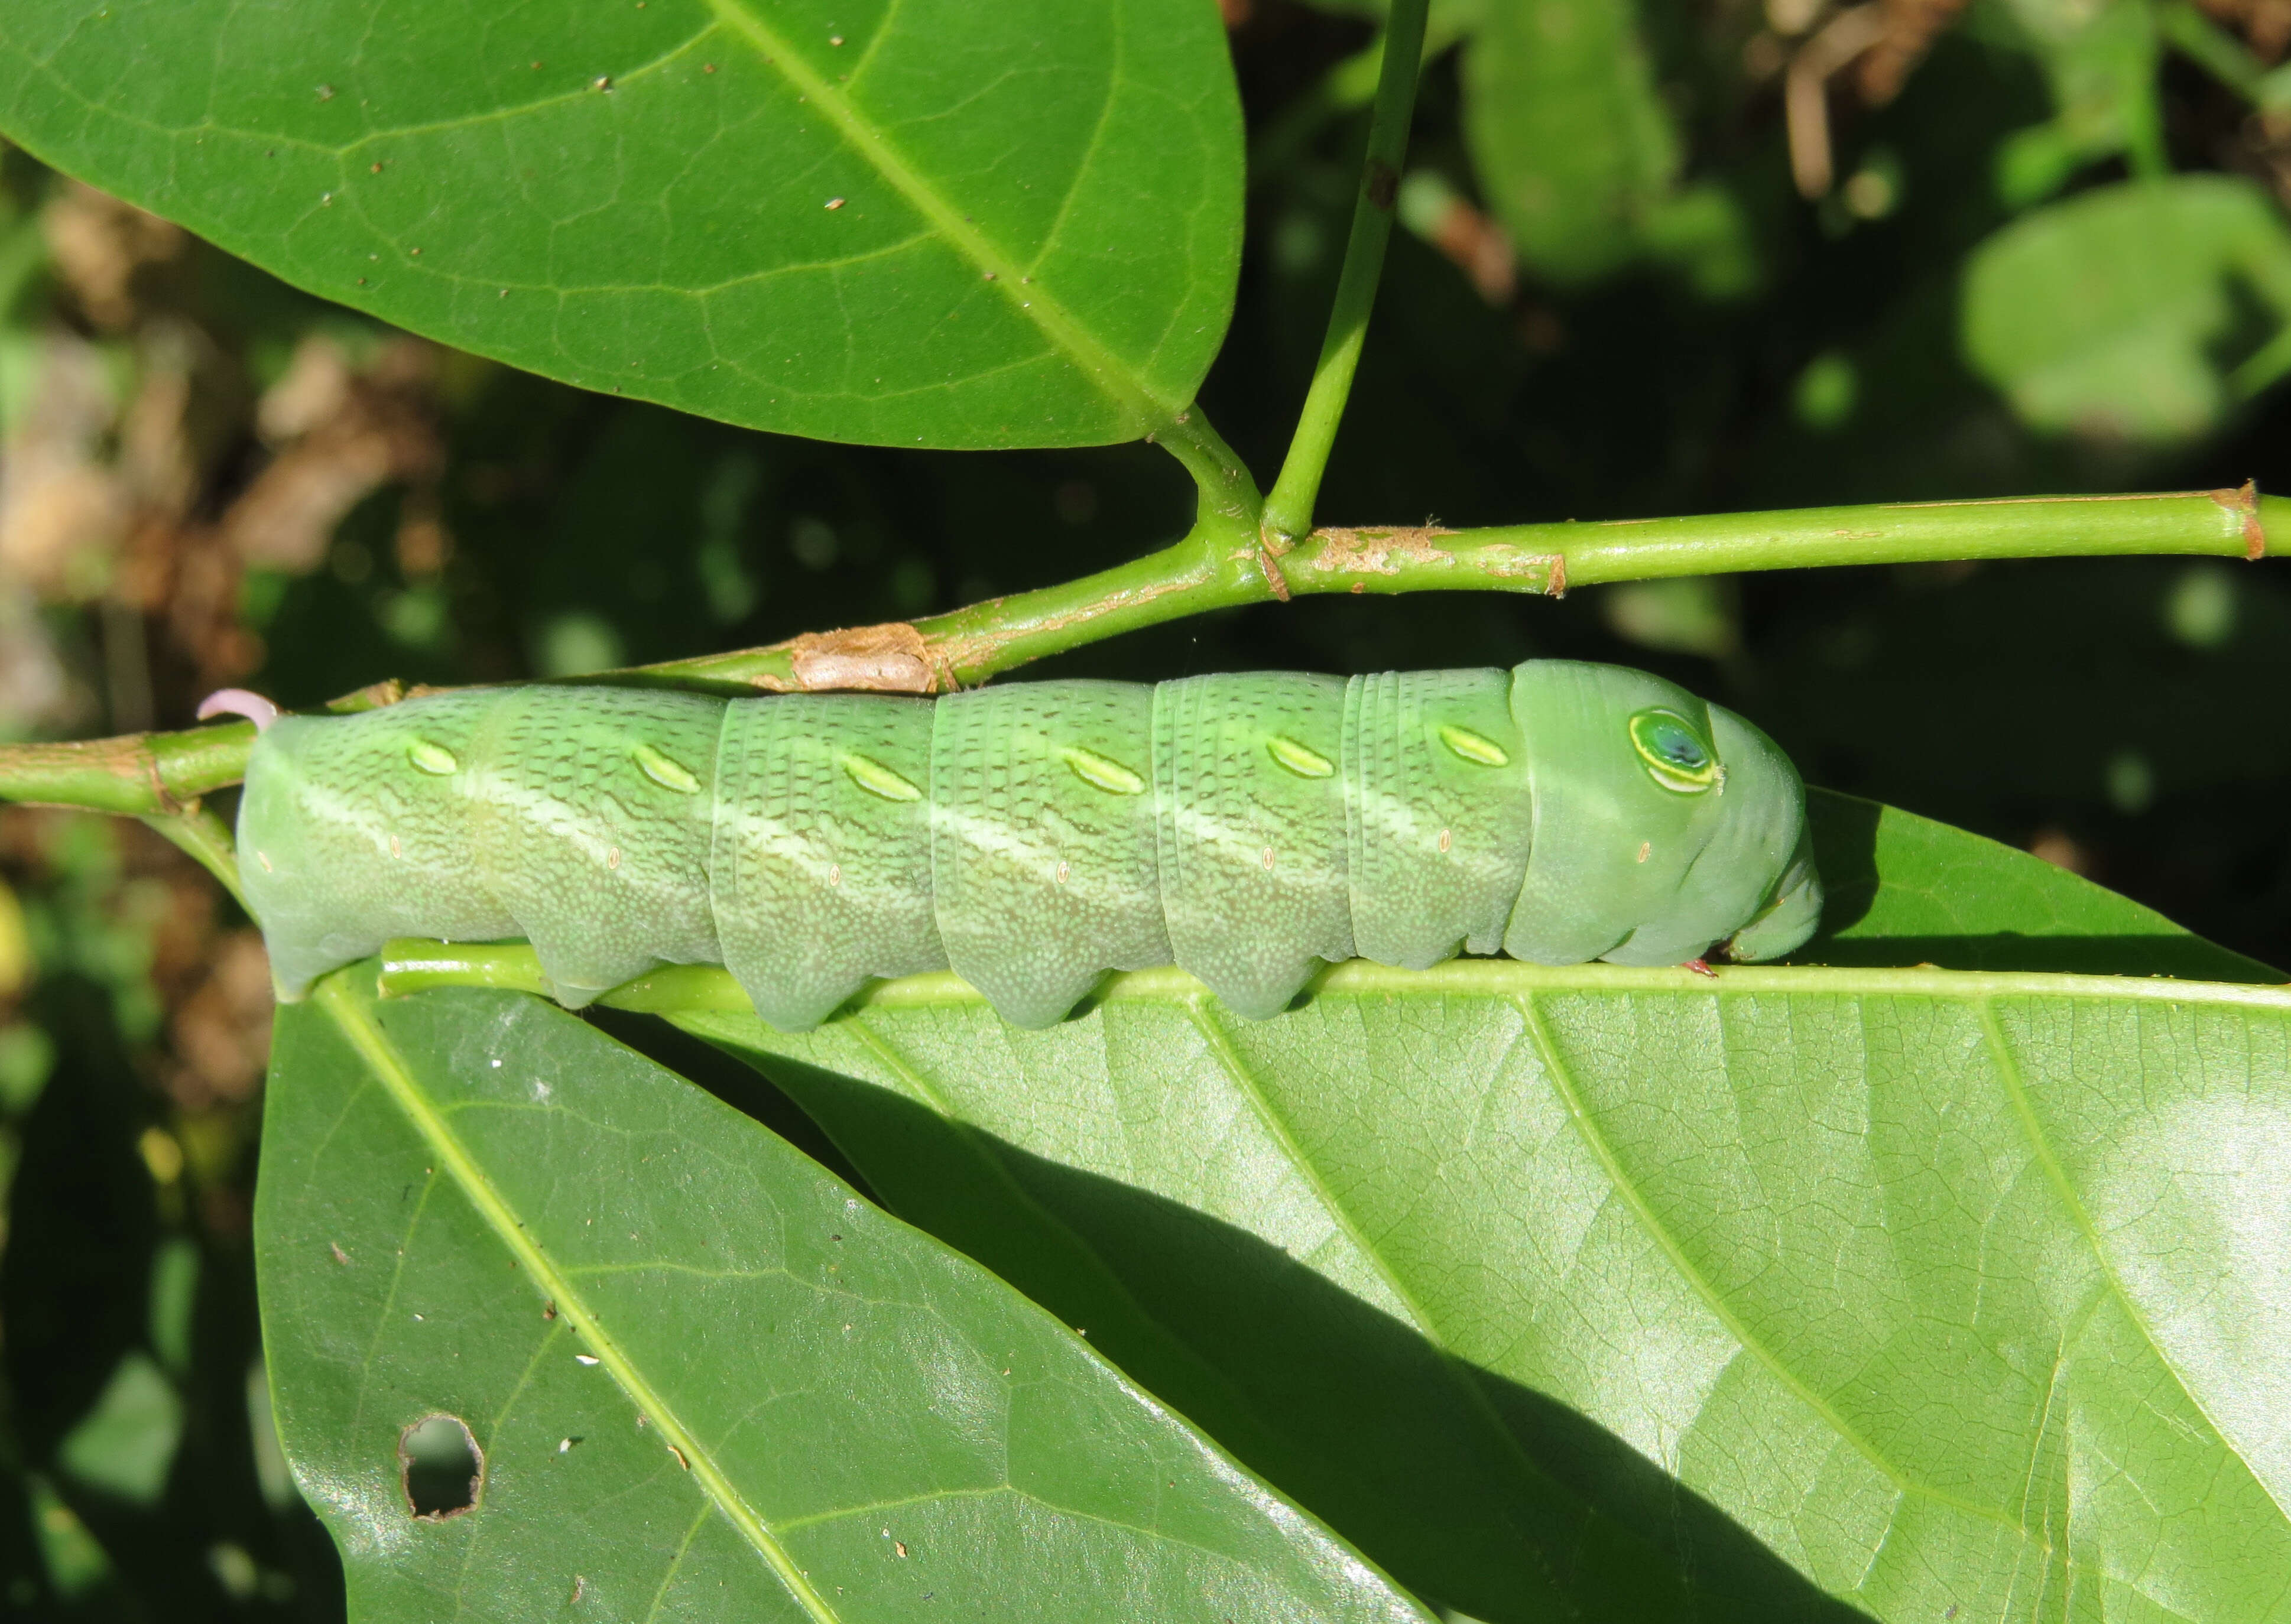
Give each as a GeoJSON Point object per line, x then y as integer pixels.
{"type": "Point", "coordinates": [1034, 836]}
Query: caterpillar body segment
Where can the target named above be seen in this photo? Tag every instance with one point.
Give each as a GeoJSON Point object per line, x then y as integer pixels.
{"type": "Point", "coordinates": [1033, 836]}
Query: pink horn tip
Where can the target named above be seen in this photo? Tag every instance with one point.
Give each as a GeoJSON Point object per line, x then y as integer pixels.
{"type": "Point", "coordinates": [239, 702]}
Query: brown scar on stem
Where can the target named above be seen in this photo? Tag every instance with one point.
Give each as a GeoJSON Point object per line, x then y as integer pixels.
{"type": "Point", "coordinates": [1270, 546]}
{"type": "Point", "coordinates": [1382, 184]}
{"type": "Point", "coordinates": [1377, 551]}
{"type": "Point", "coordinates": [2245, 502]}
{"type": "Point", "coordinates": [887, 659]}
{"type": "Point", "coordinates": [375, 696]}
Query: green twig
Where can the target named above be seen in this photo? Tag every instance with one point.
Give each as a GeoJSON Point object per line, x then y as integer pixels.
{"type": "Point", "coordinates": [1288, 509]}
{"type": "Point", "coordinates": [1229, 502]}
{"type": "Point", "coordinates": [140, 775]}
{"type": "Point", "coordinates": [2224, 523]}
{"type": "Point", "coordinates": [967, 646]}
{"type": "Point", "coordinates": [414, 966]}
{"type": "Point", "coordinates": [207, 838]}
{"type": "Point", "coordinates": [154, 774]}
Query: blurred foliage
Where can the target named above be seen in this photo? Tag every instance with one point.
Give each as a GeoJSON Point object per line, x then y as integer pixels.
{"type": "Point", "coordinates": [1662, 256]}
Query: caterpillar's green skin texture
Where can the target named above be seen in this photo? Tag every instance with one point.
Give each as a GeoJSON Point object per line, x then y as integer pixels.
{"type": "Point", "coordinates": [1033, 836]}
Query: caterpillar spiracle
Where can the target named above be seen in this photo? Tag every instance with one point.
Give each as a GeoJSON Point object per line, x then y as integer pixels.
{"type": "Point", "coordinates": [1034, 836]}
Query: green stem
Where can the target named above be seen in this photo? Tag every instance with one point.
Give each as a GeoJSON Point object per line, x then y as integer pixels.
{"type": "Point", "coordinates": [2224, 523]}
{"type": "Point", "coordinates": [414, 966]}
{"type": "Point", "coordinates": [207, 837]}
{"type": "Point", "coordinates": [139, 775]}
{"type": "Point", "coordinates": [968, 645]}
{"type": "Point", "coordinates": [1229, 500]}
{"type": "Point", "coordinates": [1218, 569]}
{"type": "Point", "coordinates": [1289, 510]}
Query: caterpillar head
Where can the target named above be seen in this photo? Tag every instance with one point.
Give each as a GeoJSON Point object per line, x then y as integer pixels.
{"type": "Point", "coordinates": [1663, 825]}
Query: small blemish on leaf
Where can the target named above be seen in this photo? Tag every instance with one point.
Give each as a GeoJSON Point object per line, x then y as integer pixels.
{"type": "Point", "coordinates": [440, 1468]}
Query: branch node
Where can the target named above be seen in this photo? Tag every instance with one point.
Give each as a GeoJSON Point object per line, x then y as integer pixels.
{"type": "Point", "coordinates": [2244, 501]}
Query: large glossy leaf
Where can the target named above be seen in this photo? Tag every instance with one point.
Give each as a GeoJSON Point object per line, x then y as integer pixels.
{"type": "Point", "coordinates": [903, 221]}
{"type": "Point", "coordinates": [1628, 1294]}
{"type": "Point", "coordinates": [707, 1380]}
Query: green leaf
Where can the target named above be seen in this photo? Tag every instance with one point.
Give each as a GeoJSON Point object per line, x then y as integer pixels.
{"type": "Point", "coordinates": [704, 1377]}
{"type": "Point", "coordinates": [1628, 1294]}
{"type": "Point", "coordinates": [931, 223]}
{"type": "Point", "coordinates": [2122, 314]}
{"type": "Point", "coordinates": [1905, 890]}
{"type": "Point", "coordinates": [125, 1445]}
{"type": "Point", "coordinates": [1576, 153]}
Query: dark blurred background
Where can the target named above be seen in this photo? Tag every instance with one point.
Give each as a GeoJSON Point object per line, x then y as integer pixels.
{"type": "Point", "coordinates": [1693, 256]}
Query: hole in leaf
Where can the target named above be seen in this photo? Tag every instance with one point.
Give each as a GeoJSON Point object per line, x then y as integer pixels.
{"type": "Point", "coordinates": [441, 1466]}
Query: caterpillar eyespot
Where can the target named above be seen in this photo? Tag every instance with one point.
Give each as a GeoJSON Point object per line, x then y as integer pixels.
{"type": "Point", "coordinates": [813, 841]}
{"type": "Point", "coordinates": [1676, 755]}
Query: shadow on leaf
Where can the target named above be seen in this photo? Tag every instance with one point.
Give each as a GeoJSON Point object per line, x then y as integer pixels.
{"type": "Point", "coordinates": [1468, 1488]}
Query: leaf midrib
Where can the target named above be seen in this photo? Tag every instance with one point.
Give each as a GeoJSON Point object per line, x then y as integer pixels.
{"type": "Point", "coordinates": [1064, 331]}
{"type": "Point", "coordinates": [372, 1045]}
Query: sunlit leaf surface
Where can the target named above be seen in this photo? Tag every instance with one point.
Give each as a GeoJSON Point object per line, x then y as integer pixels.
{"type": "Point", "coordinates": [704, 1379]}
{"type": "Point", "coordinates": [923, 222]}
{"type": "Point", "coordinates": [1635, 1294]}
